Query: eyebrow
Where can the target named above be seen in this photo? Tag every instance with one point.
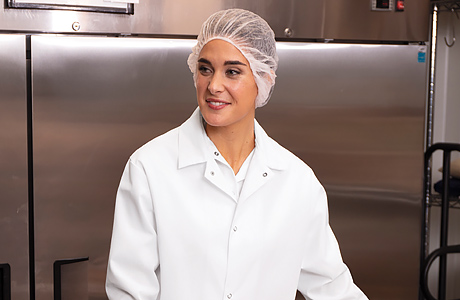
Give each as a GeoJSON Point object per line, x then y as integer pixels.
{"type": "Point", "coordinates": [227, 62]}
{"type": "Point", "coordinates": [234, 62]}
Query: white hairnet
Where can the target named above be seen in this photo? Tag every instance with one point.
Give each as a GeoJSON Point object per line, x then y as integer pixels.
{"type": "Point", "coordinates": [252, 36]}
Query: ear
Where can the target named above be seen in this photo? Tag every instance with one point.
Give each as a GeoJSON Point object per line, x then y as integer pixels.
{"type": "Point", "coordinates": [271, 78]}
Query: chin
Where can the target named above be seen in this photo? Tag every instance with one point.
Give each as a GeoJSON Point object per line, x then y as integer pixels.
{"type": "Point", "coordinates": [214, 122]}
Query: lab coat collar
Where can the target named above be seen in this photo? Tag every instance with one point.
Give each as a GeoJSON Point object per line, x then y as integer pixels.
{"type": "Point", "coordinates": [192, 141]}
{"type": "Point", "coordinates": [193, 150]}
{"type": "Point", "coordinates": [270, 152]}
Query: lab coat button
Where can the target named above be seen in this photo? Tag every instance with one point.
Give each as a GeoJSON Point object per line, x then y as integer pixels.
{"type": "Point", "coordinates": [216, 153]}
{"type": "Point", "coordinates": [212, 173]}
{"type": "Point", "coordinates": [235, 228]}
{"type": "Point", "coordinates": [264, 174]}
{"type": "Point", "coordinates": [229, 296]}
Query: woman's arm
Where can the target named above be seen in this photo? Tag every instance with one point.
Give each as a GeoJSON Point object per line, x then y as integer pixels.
{"type": "Point", "coordinates": [323, 274]}
{"type": "Point", "coordinates": [133, 261]}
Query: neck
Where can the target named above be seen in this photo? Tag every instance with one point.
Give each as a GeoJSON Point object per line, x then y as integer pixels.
{"type": "Point", "coordinates": [234, 143]}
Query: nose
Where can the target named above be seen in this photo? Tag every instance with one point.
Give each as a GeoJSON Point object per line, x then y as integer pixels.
{"type": "Point", "coordinates": [216, 84]}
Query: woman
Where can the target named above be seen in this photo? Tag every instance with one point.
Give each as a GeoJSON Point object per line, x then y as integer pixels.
{"type": "Point", "coordinates": [215, 209]}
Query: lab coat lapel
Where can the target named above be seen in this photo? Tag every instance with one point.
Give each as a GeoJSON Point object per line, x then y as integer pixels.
{"type": "Point", "coordinates": [192, 151]}
{"type": "Point", "coordinates": [214, 175]}
{"type": "Point", "coordinates": [266, 160]}
{"type": "Point", "coordinates": [258, 175]}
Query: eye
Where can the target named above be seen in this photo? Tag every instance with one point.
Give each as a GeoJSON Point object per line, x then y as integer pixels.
{"type": "Point", "coordinates": [233, 72]}
{"type": "Point", "coordinates": [204, 70]}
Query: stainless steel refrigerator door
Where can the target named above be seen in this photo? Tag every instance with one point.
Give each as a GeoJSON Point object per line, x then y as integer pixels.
{"type": "Point", "coordinates": [356, 114]}
{"type": "Point", "coordinates": [14, 241]}
{"type": "Point", "coordinates": [95, 101]}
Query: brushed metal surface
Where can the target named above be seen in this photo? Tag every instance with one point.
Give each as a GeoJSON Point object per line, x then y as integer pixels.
{"type": "Point", "coordinates": [354, 113]}
{"type": "Point", "coordinates": [353, 20]}
{"type": "Point", "coordinates": [95, 101]}
{"type": "Point", "coordinates": [14, 241]}
{"type": "Point", "coordinates": [179, 17]}
{"type": "Point", "coordinates": [313, 19]}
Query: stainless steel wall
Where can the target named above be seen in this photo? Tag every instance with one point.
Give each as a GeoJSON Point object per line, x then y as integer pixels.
{"type": "Point", "coordinates": [313, 19]}
{"type": "Point", "coordinates": [14, 220]}
{"type": "Point", "coordinates": [355, 114]}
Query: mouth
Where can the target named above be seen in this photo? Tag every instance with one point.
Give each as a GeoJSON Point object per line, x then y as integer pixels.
{"type": "Point", "coordinates": [216, 104]}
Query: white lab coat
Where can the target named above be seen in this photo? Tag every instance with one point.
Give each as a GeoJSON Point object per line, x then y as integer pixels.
{"type": "Point", "coordinates": [181, 231]}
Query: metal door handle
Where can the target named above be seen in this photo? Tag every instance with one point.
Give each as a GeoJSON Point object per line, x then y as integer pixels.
{"type": "Point", "coordinates": [57, 274]}
{"type": "Point", "coordinates": [5, 281]}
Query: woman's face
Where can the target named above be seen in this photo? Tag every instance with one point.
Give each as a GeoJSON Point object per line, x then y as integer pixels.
{"type": "Point", "coordinates": [225, 86]}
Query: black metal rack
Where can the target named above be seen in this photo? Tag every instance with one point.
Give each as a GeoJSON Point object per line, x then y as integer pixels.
{"type": "Point", "coordinates": [436, 200]}
{"type": "Point", "coordinates": [446, 5]}
{"type": "Point", "coordinates": [446, 202]}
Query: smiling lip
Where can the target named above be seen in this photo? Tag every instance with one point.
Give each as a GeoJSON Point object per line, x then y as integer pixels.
{"type": "Point", "coordinates": [216, 104]}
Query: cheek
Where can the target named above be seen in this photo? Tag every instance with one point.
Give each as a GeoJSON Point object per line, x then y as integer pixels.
{"type": "Point", "coordinates": [243, 86]}
{"type": "Point", "coordinates": [200, 84]}
{"type": "Point", "coordinates": [251, 86]}
{"type": "Point", "coordinates": [255, 89]}
{"type": "Point", "coordinates": [249, 90]}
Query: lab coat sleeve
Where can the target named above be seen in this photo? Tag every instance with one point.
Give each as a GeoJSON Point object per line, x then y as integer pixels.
{"type": "Point", "coordinates": [324, 276]}
{"type": "Point", "coordinates": [133, 260]}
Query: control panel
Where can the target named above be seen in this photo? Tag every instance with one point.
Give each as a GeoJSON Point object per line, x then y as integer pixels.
{"type": "Point", "coordinates": [387, 5]}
